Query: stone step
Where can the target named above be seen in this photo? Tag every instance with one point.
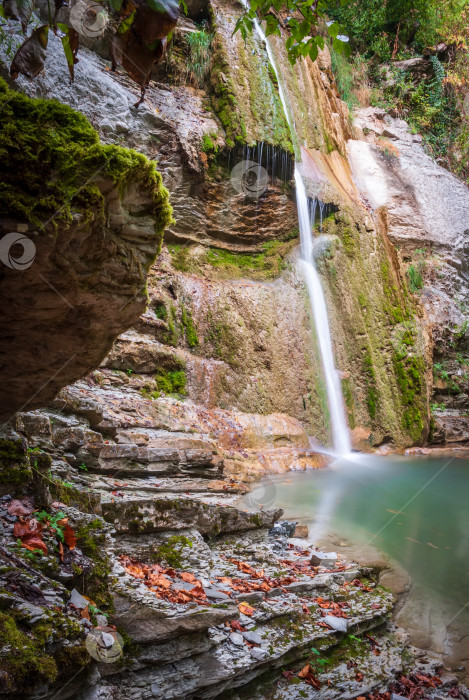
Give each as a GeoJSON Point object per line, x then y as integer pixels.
{"type": "Point", "coordinates": [207, 514]}
{"type": "Point", "coordinates": [152, 484]}
{"type": "Point", "coordinates": [230, 661]}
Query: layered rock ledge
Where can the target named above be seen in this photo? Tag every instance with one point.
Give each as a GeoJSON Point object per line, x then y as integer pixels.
{"type": "Point", "coordinates": [81, 223]}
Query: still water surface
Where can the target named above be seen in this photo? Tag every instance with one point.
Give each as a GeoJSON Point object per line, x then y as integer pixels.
{"type": "Point", "coordinates": [415, 510]}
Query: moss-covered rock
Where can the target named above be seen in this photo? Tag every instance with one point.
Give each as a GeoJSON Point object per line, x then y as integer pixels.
{"type": "Point", "coordinates": [51, 159]}
{"type": "Point", "coordinates": [95, 214]}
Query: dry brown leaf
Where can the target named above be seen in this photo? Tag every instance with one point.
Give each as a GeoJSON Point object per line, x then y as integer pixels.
{"type": "Point", "coordinates": [246, 609]}
{"type": "Point", "coordinates": [70, 537]}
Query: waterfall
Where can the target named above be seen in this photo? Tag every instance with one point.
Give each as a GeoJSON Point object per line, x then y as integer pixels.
{"type": "Point", "coordinates": [340, 432]}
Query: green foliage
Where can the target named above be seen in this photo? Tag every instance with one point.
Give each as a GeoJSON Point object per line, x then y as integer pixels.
{"type": "Point", "coordinates": [198, 65]}
{"type": "Point", "coordinates": [373, 25]}
{"type": "Point", "coordinates": [301, 24]}
{"type": "Point", "coordinates": [345, 78]}
{"type": "Point", "coordinates": [415, 279]}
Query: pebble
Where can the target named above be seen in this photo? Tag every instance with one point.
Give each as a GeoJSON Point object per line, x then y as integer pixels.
{"type": "Point", "coordinates": [259, 654]}
{"type": "Point", "coordinates": [214, 594]}
{"type": "Point", "coordinates": [339, 624]}
{"type": "Point", "coordinates": [252, 637]}
{"type": "Point", "coordinates": [77, 600]}
{"type": "Point", "coordinates": [236, 638]}
{"type": "Point", "coordinates": [85, 623]}
{"type": "Point", "coordinates": [108, 639]}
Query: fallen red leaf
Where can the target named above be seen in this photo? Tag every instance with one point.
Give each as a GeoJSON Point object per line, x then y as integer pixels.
{"type": "Point", "coordinates": [359, 676]}
{"type": "Point", "coordinates": [33, 542]}
{"type": "Point", "coordinates": [61, 551]}
{"type": "Point", "coordinates": [70, 537]}
{"type": "Point", "coordinates": [308, 676]}
{"type": "Point", "coordinates": [25, 527]}
{"type": "Point", "coordinates": [187, 577]}
{"type": "Point", "coordinates": [17, 507]}
{"type": "Point", "coordinates": [245, 609]}
{"type": "Point", "coordinates": [236, 625]}
{"type": "Point", "coordinates": [85, 613]}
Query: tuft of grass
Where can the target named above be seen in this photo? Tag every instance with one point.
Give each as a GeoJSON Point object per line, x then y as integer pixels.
{"type": "Point", "coordinates": [199, 44]}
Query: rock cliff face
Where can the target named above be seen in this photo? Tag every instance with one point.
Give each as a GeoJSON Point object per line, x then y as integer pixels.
{"type": "Point", "coordinates": [427, 212]}
{"type": "Point", "coordinates": [218, 381]}
{"type": "Point", "coordinates": [91, 218]}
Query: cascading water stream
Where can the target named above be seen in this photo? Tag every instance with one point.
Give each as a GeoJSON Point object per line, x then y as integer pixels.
{"type": "Point", "coordinates": [340, 431]}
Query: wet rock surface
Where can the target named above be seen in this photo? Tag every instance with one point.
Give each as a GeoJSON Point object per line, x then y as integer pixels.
{"type": "Point", "coordinates": [428, 219]}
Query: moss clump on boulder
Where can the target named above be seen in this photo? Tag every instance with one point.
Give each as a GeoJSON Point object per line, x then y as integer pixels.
{"type": "Point", "coordinates": [90, 539]}
{"type": "Point", "coordinates": [39, 655]}
{"type": "Point", "coordinates": [51, 160]}
{"type": "Point", "coordinates": [15, 469]}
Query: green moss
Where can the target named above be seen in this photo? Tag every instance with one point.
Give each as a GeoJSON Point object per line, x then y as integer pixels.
{"type": "Point", "coordinates": [34, 657]}
{"type": "Point", "coordinates": [51, 158]}
{"type": "Point", "coordinates": [160, 310]}
{"type": "Point", "coordinates": [66, 493]}
{"type": "Point", "coordinates": [349, 402]}
{"type": "Point", "coordinates": [220, 337]}
{"type": "Point", "coordinates": [207, 144]}
{"type": "Point", "coordinates": [172, 382]}
{"type": "Point", "coordinates": [190, 330]}
{"type": "Point", "coordinates": [372, 397]}
{"type": "Point", "coordinates": [224, 99]}
{"type": "Point", "coordinates": [265, 265]}
{"type": "Point", "coordinates": [15, 469]}
{"type": "Point", "coordinates": [90, 539]}
{"type": "Point", "coordinates": [410, 371]}
{"type": "Point", "coordinates": [171, 551]}
{"type": "Point", "coordinates": [171, 337]}
{"type": "Point", "coordinates": [256, 519]}
{"type": "Point", "coordinates": [180, 258]}
{"type": "Point", "coordinates": [26, 664]}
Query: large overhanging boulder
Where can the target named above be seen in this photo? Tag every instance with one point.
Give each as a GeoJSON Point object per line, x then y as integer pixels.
{"type": "Point", "coordinates": [80, 224]}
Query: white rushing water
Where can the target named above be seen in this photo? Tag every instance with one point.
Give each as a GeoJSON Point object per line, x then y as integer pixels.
{"type": "Point", "coordinates": [340, 431]}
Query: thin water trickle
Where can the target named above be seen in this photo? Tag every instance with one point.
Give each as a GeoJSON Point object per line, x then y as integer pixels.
{"type": "Point", "coordinates": [340, 431]}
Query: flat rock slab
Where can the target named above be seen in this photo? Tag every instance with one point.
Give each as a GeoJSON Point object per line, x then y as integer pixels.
{"type": "Point", "coordinates": [145, 624]}
{"type": "Point", "coordinates": [152, 515]}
